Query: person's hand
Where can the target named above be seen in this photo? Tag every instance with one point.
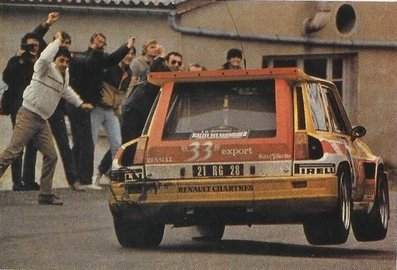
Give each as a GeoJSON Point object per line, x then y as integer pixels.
{"type": "Point", "coordinates": [52, 18]}
{"type": "Point", "coordinates": [130, 42]}
{"type": "Point", "coordinates": [58, 35]}
{"type": "Point", "coordinates": [86, 106]}
{"type": "Point", "coordinates": [20, 52]}
{"type": "Point", "coordinates": [161, 50]}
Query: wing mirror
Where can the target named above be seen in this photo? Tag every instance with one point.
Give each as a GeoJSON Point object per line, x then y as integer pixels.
{"type": "Point", "coordinates": [358, 132]}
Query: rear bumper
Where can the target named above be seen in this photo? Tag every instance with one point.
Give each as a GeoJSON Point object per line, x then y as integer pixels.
{"type": "Point", "coordinates": [230, 201]}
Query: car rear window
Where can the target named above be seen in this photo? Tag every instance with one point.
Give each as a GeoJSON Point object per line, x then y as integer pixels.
{"type": "Point", "coordinates": [222, 110]}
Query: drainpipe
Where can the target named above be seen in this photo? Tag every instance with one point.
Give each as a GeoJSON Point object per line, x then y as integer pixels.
{"type": "Point", "coordinates": [172, 19]}
{"type": "Point", "coordinates": [319, 20]}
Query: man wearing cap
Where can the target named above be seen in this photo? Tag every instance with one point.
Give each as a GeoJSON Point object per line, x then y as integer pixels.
{"type": "Point", "coordinates": [233, 57]}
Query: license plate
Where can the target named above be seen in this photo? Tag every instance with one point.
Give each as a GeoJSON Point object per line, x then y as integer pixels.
{"type": "Point", "coordinates": [218, 170]}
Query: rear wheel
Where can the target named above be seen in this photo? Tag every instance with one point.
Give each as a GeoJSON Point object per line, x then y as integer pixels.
{"type": "Point", "coordinates": [208, 232]}
{"type": "Point", "coordinates": [373, 226]}
{"type": "Point", "coordinates": [134, 234]}
{"type": "Point", "coordinates": [332, 228]}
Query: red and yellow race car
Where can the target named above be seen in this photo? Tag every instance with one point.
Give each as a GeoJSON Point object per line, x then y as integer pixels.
{"type": "Point", "coordinates": [233, 147]}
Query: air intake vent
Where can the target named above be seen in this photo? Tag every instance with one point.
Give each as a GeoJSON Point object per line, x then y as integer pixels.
{"type": "Point", "coordinates": [315, 148]}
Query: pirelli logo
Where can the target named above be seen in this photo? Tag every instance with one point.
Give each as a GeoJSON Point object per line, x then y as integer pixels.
{"type": "Point", "coordinates": [307, 168]}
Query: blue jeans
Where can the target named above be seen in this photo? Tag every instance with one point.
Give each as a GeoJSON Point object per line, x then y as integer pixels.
{"type": "Point", "coordinates": [109, 120]}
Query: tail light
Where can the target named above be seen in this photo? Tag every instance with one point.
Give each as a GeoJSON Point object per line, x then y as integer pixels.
{"type": "Point", "coordinates": [301, 151]}
{"type": "Point", "coordinates": [140, 150]}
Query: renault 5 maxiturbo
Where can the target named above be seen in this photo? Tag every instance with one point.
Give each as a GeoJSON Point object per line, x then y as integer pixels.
{"type": "Point", "coordinates": [243, 147]}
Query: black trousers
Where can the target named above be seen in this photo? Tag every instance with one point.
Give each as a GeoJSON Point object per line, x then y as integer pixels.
{"type": "Point", "coordinates": [132, 126]}
{"type": "Point", "coordinates": [59, 132]}
{"type": "Point", "coordinates": [83, 146]}
{"type": "Point", "coordinates": [29, 161]}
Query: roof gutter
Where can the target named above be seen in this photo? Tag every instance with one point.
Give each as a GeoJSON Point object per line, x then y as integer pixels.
{"type": "Point", "coordinates": [173, 20]}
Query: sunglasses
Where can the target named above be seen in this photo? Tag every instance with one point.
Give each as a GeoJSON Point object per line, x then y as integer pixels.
{"type": "Point", "coordinates": [173, 62]}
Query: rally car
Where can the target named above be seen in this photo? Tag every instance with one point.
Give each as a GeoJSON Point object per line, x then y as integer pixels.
{"type": "Point", "coordinates": [234, 147]}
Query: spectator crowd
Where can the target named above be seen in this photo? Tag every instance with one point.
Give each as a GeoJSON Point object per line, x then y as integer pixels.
{"type": "Point", "coordinates": [93, 88]}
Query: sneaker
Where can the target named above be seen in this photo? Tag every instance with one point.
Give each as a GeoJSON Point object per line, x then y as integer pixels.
{"type": "Point", "coordinates": [3, 169]}
{"type": "Point", "coordinates": [106, 179]}
{"type": "Point", "coordinates": [96, 179]}
{"type": "Point", "coordinates": [32, 186]}
{"type": "Point", "coordinates": [77, 187]}
{"type": "Point", "coordinates": [49, 199]}
{"type": "Point", "coordinates": [93, 186]}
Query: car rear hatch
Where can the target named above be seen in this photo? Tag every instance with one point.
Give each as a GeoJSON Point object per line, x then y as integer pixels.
{"type": "Point", "coordinates": [221, 135]}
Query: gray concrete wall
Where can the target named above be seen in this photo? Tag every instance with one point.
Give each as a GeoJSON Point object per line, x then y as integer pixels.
{"type": "Point", "coordinates": [116, 27]}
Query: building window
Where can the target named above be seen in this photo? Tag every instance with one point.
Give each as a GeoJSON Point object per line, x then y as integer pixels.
{"type": "Point", "coordinates": [336, 68]}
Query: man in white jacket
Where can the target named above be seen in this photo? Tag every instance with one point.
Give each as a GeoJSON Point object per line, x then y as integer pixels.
{"type": "Point", "coordinates": [50, 83]}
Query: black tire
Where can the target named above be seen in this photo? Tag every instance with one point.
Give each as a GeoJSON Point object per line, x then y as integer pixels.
{"type": "Point", "coordinates": [139, 235]}
{"type": "Point", "coordinates": [333, 228]}
{"type": "Point", "coordinates": [373, 226]}
{"type": "Point", "coordinates": [209, 232]}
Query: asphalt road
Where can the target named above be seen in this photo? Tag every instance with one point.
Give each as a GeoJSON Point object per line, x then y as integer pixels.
{"type": "Point", "coordinates": [80, 235]}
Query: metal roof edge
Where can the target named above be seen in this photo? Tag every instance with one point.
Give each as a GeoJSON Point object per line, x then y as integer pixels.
{"type": "Point", "coordinates": [138, 3]}
{"type": "Point", "coordinates": [87, 8]}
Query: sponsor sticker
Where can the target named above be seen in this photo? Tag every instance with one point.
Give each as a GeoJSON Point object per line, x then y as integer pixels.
{"type": "Point", "coordinates": [133, 174]}
{"type": "Point", "coordinates": [215, 188]}
{"type": "Point", "coordinates": [315, 168]}
{"type": "Point", "coordinates": [218, 135]}
{"type": "Point", "coordinates": [236, 151]}
{"type": "Point", "coordinates": [275, 156]}
{"type": "Point", "coordinates": [159, 160]}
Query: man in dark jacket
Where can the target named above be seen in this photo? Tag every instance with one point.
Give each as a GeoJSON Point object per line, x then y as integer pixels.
{"type": "Point", "coordinates": [17, 76]}
{"type": "Point", "coordinates": [234, 58]}
{"type": "Point", "coordinates": [142, 98]}
{"type": "Point", "coordinates": [87, 74]}
{"type": "Point", "coordinates": [119, 77]}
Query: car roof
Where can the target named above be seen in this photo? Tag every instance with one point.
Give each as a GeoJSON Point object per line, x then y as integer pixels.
{"type": "Point", "coordinates": [293, 75]}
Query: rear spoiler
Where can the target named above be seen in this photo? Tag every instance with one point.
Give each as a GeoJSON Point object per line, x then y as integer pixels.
{"type": "Point", "coordinates": [292, 74]}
